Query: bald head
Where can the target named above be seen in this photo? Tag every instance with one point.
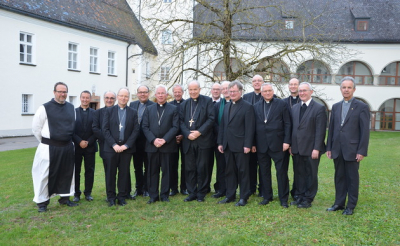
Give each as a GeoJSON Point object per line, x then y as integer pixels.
{"type": "Point", "coordinates": [294, 87]}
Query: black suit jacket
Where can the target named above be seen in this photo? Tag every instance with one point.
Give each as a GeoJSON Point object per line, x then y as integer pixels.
{"type": "Point", "coordinates": [203, 122]}
{"type": "Point", "coordinates": [178, 107]}
{"type": "Point", "coordinates": [250, 98]}
{"type": "Point", "coordinates": [353, 137]}
{"type": "Point", "coordinates": [84, 132]}
{"type": "Point", "coordinates": [135, 105]}
{"type": "Point", "coordinates": [97, 127]}
{"type": "Point", "coordinates": [238, 132]}
{"type": "Point", "coordinates": [167, 130]}
{"type": "Point", "coordinates": [277, 130]}
{"type": "Point", "coordinates": [309, 134]}
{"type": "Point", "coordinates": [111, 129]}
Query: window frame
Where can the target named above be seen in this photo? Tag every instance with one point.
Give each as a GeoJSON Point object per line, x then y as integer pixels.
{"type": "Point", "coordinates": [94, 61]}
{"type": "Point", "coordinates": [165, 73]}
{"type": "Point", "coordinates": [166, 37]}
{"type": "Point", "coordinates": [26, 44]}
{"type": "Point", "coordinates": [76, 53]}
{"type": "Point", "coordinates": [26, 103]}
{"type": "Point", "coordinates": [289, 24]}
{"type": "Point", "coordinates": [113, 62]}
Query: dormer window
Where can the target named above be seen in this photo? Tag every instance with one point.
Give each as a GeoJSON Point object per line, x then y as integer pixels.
{"type": "Point", "coordinates": [289, 24]}
{"type": "Point", "coordinates": [362, 25]}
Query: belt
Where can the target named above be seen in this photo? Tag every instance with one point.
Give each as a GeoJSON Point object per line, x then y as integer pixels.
{"type": "Point", "coordinates": [56, 143]}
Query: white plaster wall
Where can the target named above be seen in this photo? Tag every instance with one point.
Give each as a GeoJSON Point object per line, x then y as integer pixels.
{"type": "Point", "coordinates": [51, 59]}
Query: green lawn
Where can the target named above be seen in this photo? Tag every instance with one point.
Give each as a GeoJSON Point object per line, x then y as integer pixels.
{"type": "Point", "coordinates": [376, 218]}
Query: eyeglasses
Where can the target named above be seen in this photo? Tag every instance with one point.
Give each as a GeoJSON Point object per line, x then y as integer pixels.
{"type": "Point", "coordinates": [142, 92]}
{"type": "Point", "coordinates": [62, 92]}
{"type": "Point", "coordinates": [108, 98]}
{"type": "Point", "coordinates": [302, 91]}
{"type": "Point", "coordinates": [232, 92]}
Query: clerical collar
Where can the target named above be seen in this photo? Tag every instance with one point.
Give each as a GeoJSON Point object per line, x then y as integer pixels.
{"type": "Point", "coordinates": [257, 93]}
{"type": "Point", "coordinates": [307, 103]}
{"type": "Point", "coordinates": [293, 97]}
{"type": "Point", "coordinates": [227, 100]}
{"type": "Point", "coordinates": [195, 99]}
{"type": "Point", "coordinates": [161, 105]}
{"type": "Point", "coordinates": [178, 101]}
{"type": "Point", "coordinates": [270, 101]}
{"type": "Point", "coordinates": [349, 101]}
{"type": "Point", "coordinates": [142, 103]}
{"type": "Point", "coordinates": [236, 101]}
{"type": "Point", "coordinates": [121, 108]}
{"type": "Point", "coordinates": [84, 109]}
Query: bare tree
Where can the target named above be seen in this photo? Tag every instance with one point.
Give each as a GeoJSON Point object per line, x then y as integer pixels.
{"type": "Point", "coordinates": [214, 40]}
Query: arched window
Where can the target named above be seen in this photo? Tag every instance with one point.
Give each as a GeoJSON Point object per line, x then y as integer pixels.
{"type": "Point", "coordinates": [219, 70]}
{"type": "Point", "coordinates": [314, 72]}
{"type": "Point", "coordinates": [388, 116]}
{"type": "Point", "coordinates": [390, 75]}
{"type": "Point", "coordinates": [273, 71]}
{"type": "Point", "coordinates": [359, 71]}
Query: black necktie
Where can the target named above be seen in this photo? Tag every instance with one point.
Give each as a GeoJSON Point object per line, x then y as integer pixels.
{"type": "Point", "coordinates": [302, 110]}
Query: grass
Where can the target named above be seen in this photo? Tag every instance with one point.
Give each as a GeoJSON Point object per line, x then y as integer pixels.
{"type": "Point", "coordinates": [376, 218]}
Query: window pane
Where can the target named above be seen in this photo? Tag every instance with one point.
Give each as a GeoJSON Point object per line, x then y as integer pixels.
{"type": "Point", "coordinates": [29, 58]}
{"type": "Point", "coordinates": [21, 48]}
{"type": "Point", "coordinates": [21, 37]}
{"type": "Point", "coordinates": [21, 57]}
{"type": "Point", "coordinates": [29, 38]}
{"type": "Point", "coordinates": [29, 49]}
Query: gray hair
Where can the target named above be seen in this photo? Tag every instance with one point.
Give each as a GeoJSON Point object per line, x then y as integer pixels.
{"type": "Point", "coordinates": [308, 84]}
{"type": "Point", "coordinates": [104, 95]}
{"type": "Point", "coordinates": [265, 84]}
{"type": "Point", "coordinates": [348, 78]}
{"type": "Point", "coordinates": [148, 90]}
{"type": "Point", "coordinates": [123, 88]}
{"type": "Point", "coordinates": [196, 82]}
{"type": "Point", "coordinates": [237, 83]}
{"type": "Point", "coordinates": [162, 86]}
{"type": "Point", "coordinates": [225, 82]}
{"type": "Point", "coordinates": [176, 86]}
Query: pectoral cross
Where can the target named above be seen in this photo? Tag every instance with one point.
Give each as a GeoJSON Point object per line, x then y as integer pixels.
{"type": "Point", "coordinates": [191, 122]}
{"type": "Point", "coordinates": [120, 126]}
{"type": "Point", "coordinates": [265, 121]}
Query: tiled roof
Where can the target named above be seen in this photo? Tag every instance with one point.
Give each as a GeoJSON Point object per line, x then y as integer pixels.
{"type": "Point", "coordinates": [111, 18]}
{"type": "Point", "coordinates": [335, 23]}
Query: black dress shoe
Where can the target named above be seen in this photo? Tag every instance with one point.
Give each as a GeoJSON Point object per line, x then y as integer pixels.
{"type": "Point", "coordinates": [335, 208]}
{"type": "Point", "coordinates": [304, 204]}
{"type": "Point", "coordinates": [184, 192]}
{"type": "Point", "coordinates": [76, 199]}
{"type": "Point", "coordinates": [173, 192]}
{"type": "Point", "coordinates": [201, 199]}
{"type": "Point", "coordinates": [295, 202]}
{"type": "Point", "coordinates": [42, 209]}
{"type": "Point", "coordinates": [152, 200]}
{"type": "Point", "coordinates": [89, 198]}
{"type": "Point", "coordinates": [348, 211]}
{"type": "Point", "coordinates": [121, 202]}
{"type": "Point", "coordinates": [284, 204]}
{"type": "Point", "coordinates": [165, 199]}
{"type": "Point", "coordinates": [70, 204]}
{"type": "Point", "coordinates": [264, 202]}
{"type": "Point", "coordinates": [226, 200]}
{"type": "Point", "coordinates": [189, 198]}
{"type": "Point", "coordinates": [137, 193]}
{"type": "Point", "coordinates": [145, 193]}
{"type": "Point", "coordinates": [131, 197]}
{"type": "Point", "coordinates": [111, 203]}
{"type": "Point", "coordinates": [218, 195]}
{"type": "Point", "coordinates": [241, 202]}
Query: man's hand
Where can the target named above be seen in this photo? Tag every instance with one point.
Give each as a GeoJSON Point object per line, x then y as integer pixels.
{"type": "Point", "coordinates": [253, 149]}
{"type": "Point", "coordinates": [285, 146]}
{"type": "Point", "coordinates": [246, 150]}
{"type": "Point", "coordinates": [179, 139]}
{"type": "Point", "coordinates": [194, 135]}
{"type": "Point", "coordinates": [329, 154]}
{"type": "Point", "coordinates": [117, 148]}
{"type": "Point", "coordinates": [83, 144]}
{"type": "Point", "coordinates": [359, 157]}
{"type": "Point", "coordinates": [221, 148]}
{"type": "Point", "coordinates": [158, 142]}
{"type": "Point", "coordinates": [315, 154]}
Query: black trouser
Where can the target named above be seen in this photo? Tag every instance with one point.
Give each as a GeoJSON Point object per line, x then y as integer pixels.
{"type": "Point", "coordinates": [210, 168]}
{"type": "Point", "coordinates": [286, 158]}
{"type": "Point", "coordinates": [196, 170]}
{"type": "Point", "coordinates": [306, 171]}
{"type": "Point", "coordinates": [253, 170]}
{"type": "Point", "coordinates": [264, 160]}
{"type": "Point", "coordinates": [347, 180]}
{"type": "Point", "coordinates": [117, 162]}
{"type": "Point", "coordinates": [140, 162]}
{"type": "Point", "coordinates": [237, 173]}
{"type": "Point", "coordinates": [174, 169]}
{"type": "Point", "coordinates": [220, 185]}
{"type": "Point", "coordinates": [89, 163]}
{"type": "Point", "coordinates": [158, 160]}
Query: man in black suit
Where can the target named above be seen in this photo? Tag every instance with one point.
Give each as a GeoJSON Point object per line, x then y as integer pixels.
{"type": "Point", "coordinates": [347, 145]}
{"type": "Point", "coordinates": [121, 128]}
{"type": "Point", "coordinates": [291, 101]}
{"type": "Point", "coordinates": [273, 137]}
{"type": "Point", "coordinates": [85, 147]}
{"type": "Point", "coordinates": [253, 98]}
{"type": "Point", "coordinates": [220, 184]}
{"type": "Point", "coordinates": [109, 101]}
{"type": "Point", "coordinates": [140, 160]}
{"type": "Point", "coordinates": [160, 125]}
{"type": "Point", "coordinates": [196, 122]}
{"type": "Point", "coordinates": [235, 139]}
{"type": "Point", "coordinates": [308, 136]}
{"type": "Point", "coordinates": [177, 90]}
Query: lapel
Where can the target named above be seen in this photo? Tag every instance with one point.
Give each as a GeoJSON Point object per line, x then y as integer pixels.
{"type": "Point", "coordinates": [351, 109]}
{"type": "Point", "coordinates": [272, 108]}
{"type": "Point", "coordinates": [260, 109]}
{"type": "Point", "coordinates": [308, 110]}
{"type": "Point", "coordinates": [198, 109]}
{"type": "Point", "coordinates": [79, 117]}
{"type": "Point", "coordinates": [239, 105]}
